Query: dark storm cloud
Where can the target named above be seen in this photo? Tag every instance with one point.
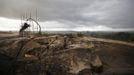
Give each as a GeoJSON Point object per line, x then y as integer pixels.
{"type": "Point", "coordinates": [111, 13]}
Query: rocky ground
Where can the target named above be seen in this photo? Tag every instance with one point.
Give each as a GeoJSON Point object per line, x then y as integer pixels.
{"type": "Point", "coordinates": [65, 55]}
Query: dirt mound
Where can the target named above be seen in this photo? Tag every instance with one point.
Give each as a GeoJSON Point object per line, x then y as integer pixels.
{"type": "Point", "coordinates": [56, 55]}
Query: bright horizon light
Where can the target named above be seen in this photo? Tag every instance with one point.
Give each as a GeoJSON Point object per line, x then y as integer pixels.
{"type": "Point", "coordinates": [14, 25]}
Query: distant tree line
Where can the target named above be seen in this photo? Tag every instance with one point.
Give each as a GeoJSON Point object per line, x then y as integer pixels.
{"type": "Point", "coordinates": [123, 36]}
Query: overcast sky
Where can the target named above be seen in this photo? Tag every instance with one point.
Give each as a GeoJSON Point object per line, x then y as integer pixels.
{"type": "Point", "coordinates": [70, 14]}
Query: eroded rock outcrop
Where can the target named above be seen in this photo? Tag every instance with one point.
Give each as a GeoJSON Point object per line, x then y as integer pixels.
{"type": "Point", "coordinates": [64, 55]}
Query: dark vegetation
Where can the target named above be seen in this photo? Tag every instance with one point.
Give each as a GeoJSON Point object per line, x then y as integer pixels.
{"type": "Point", "coordinates": [122, 36]}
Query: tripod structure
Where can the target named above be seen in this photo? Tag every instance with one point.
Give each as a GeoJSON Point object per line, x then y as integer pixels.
{"type": "Point", "coordinates": [30, 27]}
{"type": "Point", "coordinates": [34, 26]}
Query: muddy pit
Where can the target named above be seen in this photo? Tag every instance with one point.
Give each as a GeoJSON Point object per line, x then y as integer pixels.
{"type": "Point", "coordinates": [64, 55]}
